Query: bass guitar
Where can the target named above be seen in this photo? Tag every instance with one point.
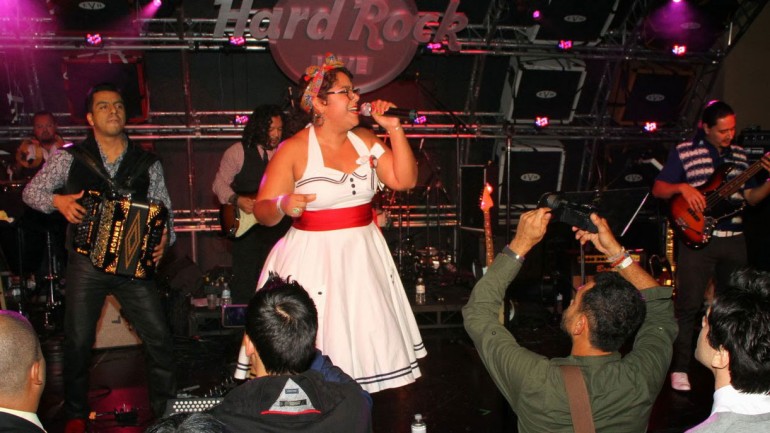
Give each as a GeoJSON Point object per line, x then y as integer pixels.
{"type": "Point", "coordinates": [233, 222]}
{"type": "Point", "coordinates": [694, 227]}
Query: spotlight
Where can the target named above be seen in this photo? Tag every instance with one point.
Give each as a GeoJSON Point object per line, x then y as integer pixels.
{"type": "Point", "coordinates": [94, 39]}
{"type": "Point", "coordinates": [419, 120]}
{"type": "Point", "coordinates": [650, 126]}
{"type": "Point", "coordinates": [240, 119]}
{"type": "Point", "coordinates": [679, 50]}
{"type": "Point", "coordinates": [541, 122]}
{"type": "Point", "coordinates": [435, 47]}
{"type": "Point", "coordinates": [677, 1]}
{"type": "Point", "coordinates": [565, 44]}
{"type": "Point", "coordinates": [237, 41]}
{"type": "Point", "coordinates": [157, 3]}
{"type": "Point", "coordinates": [536, 15]}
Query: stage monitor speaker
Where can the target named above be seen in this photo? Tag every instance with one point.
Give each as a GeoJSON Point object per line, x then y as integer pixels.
{"type": "Point", "coordinates": [651, 93]}
{"type": "Point", "coordinates": [113, 330]}
{"type": "Point", "coordinates": [536, 167]}
{"type": "Point", "coordinates": [472, 181]}
{"type": "Point", "coordinates": [542, 87]}
{"type": "Point", "coordinates": [582, 22]}
{"type": "Point", "coordinates": [126, 71]}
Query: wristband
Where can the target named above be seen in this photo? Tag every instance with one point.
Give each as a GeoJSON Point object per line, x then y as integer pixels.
{"type": "Point", "coordinates": [627, 261]}
{"type": "Point", "coordinates": [512, 254]}
{"type": "Point", "coordinates": [278, 204]}
{"type": "Point", "coordinates": [617, 256]}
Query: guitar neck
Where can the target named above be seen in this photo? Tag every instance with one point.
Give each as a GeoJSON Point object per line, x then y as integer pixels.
{"type": "Point", "coordinates": [489, 245]}
{"type": "Point", "coordinates": [729, 188]}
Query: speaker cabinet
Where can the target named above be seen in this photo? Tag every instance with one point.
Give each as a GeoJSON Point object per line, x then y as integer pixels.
{"type": "Point", "coordinates": [126, 71]}
{"type": "Point", "coordinates": [528, 170]}
{"type": "Point", "coordinates": [651, 93]}
{"type": "Point", "coordinates": [113, 330]}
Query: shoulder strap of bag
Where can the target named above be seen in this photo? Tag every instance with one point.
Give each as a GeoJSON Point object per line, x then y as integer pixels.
{"type": "Point", "coordinates": [579, 404]}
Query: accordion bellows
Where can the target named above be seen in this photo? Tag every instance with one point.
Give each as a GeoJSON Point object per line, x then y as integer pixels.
{"type": "Point", "coordinates": [119, 235]}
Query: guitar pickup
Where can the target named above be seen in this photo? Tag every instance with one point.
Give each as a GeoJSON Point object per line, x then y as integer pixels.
{"type": "Point", "coordinates": [693, 214]}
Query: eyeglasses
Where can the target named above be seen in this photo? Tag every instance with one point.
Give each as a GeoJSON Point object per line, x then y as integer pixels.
{"type": "Point", "coordinates": [348, 91]}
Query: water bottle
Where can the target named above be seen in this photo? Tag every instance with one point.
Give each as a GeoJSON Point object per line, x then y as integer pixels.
{"type": "Point", "coordinates": [418, 425]}
{"type": "Point", "coordinates": [419, 292]}
{"type": "Point", "coordinates": [226, 295]}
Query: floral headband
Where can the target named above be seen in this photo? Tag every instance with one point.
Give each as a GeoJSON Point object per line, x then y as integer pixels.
{"type": "Point", "coordinates": [315, 76]}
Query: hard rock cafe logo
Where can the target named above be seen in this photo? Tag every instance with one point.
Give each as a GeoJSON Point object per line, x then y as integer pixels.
{"type": "Point", "coordinates": [376, 39]}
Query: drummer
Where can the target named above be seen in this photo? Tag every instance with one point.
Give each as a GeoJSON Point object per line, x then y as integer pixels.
{"type": "Point", "coordinates": [33, 151]}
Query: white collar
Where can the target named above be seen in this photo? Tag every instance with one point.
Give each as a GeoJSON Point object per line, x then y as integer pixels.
{"type": "Point", "coordinates": [729, 399]}
{"type": "Point", "coordinates": [29, 416]}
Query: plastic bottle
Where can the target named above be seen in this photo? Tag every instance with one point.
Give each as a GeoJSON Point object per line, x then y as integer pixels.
{"type": "Point", "coordinates": [419, 291]}
{"type": "Point", "coordinates": [418, 425]}
{"type": "Point", "coordinates": [226, 300]}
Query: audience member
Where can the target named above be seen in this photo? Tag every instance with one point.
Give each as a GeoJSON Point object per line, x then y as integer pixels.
{"type": "Point", "coordinates": [292, 389]}
{"type": "Point", "coordinates": [22, 373]}
{"type": "Point", "coordinates": [734, 344]}
{"type": "Point", "coordinates": [601, 317]}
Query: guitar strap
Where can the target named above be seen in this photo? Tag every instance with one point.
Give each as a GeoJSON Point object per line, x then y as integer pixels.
{"type": "Point", "coordinates": [579, 405]}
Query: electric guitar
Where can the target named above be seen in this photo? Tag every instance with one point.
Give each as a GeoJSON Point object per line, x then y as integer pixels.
{"type": "Point", "coordinates": [695, 227]}
{"type": "Point", "coordinates": [233, 222]}
{"type": "Point", "coordinates": [485, 205]}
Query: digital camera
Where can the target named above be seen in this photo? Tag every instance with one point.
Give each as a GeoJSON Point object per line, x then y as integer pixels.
{"type": "Point", "coordinates": [573, 214]}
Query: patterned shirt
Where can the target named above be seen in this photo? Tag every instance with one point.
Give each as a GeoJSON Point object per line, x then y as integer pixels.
{"type": "Point", "coordinates": [39, 192]}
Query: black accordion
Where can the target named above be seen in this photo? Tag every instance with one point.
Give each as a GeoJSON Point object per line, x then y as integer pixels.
{"type": "Point", "coordinates": [119, 235]}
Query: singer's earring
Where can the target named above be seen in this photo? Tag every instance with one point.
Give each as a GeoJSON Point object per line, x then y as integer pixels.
{"type": "Point", "coordinates": [318, 119]}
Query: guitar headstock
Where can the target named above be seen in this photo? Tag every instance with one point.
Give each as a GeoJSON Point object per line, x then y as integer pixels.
{"type": "Point", "coordinates": [486, 198]}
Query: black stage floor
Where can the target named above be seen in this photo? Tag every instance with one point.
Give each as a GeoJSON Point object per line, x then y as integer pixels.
{"type": "Point", "coordinates": [455, 393]}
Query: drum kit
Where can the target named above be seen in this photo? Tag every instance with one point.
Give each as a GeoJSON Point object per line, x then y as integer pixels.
{"type": "Point", "coordinates": [28, 247]}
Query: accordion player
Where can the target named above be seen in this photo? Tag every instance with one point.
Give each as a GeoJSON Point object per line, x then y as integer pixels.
{"type": "Point", "coordinates": [119, 235]}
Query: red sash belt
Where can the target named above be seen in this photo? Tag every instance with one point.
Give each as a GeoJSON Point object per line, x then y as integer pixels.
{"type": "Point", "coordinates": [335, 219]}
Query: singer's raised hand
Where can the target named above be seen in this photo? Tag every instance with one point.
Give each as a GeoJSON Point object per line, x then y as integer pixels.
{"type": "Point", "coordinates": [379, 107]}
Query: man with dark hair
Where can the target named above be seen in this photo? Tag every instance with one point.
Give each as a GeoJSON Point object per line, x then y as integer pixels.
{"type": "Point", "coordinates": [691, 165]}
{"type": "Point", "coordinates": [734, 344]}
{"type": "Point", "coordinates": [601, 317]}
{"type": "Point", "coordinates": [22, 369]}
{"type": "Point", "coordinates": [237, 183]}
{"type": "Point", "coordinates": [295, 387]}
{"type": "Point", "coordinates": [59, 186]}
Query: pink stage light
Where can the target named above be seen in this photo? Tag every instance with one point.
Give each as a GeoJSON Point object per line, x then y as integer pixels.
{"type": "Point", "coordinates": [419, 120]}
{"type": "Point", "coordinates": [94, 39]}
{"type": "Point", "coordinates": [237, 41]}
{"type": "Point", "coordinates": [536, 15]}
{"type": "Point", "coordinates": [677, 1]}
{"type": "Point", "coordinates": [650, 126]}
{"type": "Point", "coordinates": [679, 50]}
{"type": "Point", "coordinates": [565, 44]}
{"type": "Point", "coordinates": [157, 3]}
{"type": "Point", "coordinates": [241, 119]}
{"type": "Point", "coordinates": [541, 122]}
{"type": "Point", "coordinates": [151, 9]}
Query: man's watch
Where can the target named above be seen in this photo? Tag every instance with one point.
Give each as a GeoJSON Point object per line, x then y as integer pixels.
{"type": "Point", "coordinates": [512, 254]}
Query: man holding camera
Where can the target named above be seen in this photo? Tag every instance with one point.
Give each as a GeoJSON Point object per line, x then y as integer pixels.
{"type": "Point", "coordinates": [691, 168]}
{"type": "Point", "coordinates": [602, 315]}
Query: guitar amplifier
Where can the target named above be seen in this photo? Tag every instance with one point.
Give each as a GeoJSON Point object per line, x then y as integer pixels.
{"type": "Point", "coordinates": [119, 235]}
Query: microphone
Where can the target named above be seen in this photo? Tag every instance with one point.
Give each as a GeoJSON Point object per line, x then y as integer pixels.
{"type": "Point", "coordinates": [402, 113]}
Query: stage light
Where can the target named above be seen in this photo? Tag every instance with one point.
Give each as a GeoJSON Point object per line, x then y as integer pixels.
{"type": "Point", "coordinates": [157, 3]}
{"type": "Point", "coordinates": [679, 50]}
{"type": "Point", "coordinates": [94, 39]}
{"type": "Point", "coordinates": [541, 122]}
{"type": "Point", "coordinates": [237, 41]}
{"type": "Point", "coordinates": [435, 47]}
{"type": "Point", "coordinates": [241, 119]}
{"type": "Point", "coordinates": [419, 120]}
{"type": "Point", "coordinates": [536, 15]}
{"type": "Point", "coordinates": [677, 1]}
{"type": "Point", "coordinates": [650, 126]}
{"type": "Point", "coordinates": [565, 44]}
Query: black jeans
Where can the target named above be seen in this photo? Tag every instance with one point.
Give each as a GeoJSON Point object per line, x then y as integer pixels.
{"type": "Point", "coordinates": [695, 268]}
{"type": "Point", "coordinates": [87, 288]}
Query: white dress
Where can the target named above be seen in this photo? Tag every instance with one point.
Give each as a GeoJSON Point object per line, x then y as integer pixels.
{"type": "Point", "coordinates": [365, 323]}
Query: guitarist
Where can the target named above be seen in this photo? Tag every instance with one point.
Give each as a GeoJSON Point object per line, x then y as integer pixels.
{"type": "Point", "coordinates": [690, 165]}
{"type": "Point", "coordinates": [237, 182]}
